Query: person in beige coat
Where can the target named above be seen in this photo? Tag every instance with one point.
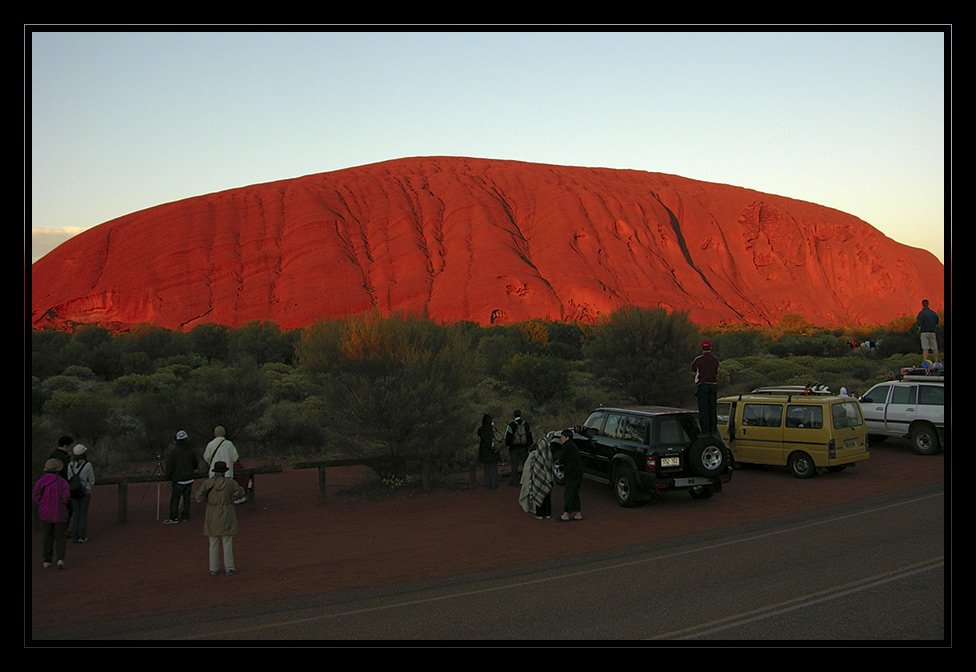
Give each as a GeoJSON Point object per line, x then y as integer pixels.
{"type": "Point", "coordinates": [220, 521]}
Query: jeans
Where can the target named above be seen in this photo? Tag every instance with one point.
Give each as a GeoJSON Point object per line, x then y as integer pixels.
{"type": "Point", "coordinates": [180, 491]}
{"type": "Point", "coordinates": [79, 526]}
{"type": "Point", "coordinates": [707, 394]}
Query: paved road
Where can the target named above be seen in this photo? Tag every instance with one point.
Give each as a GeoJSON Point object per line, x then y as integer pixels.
{"type": "Point", "coordinates": [867, 570]}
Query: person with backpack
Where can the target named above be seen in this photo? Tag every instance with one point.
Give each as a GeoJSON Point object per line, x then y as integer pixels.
{"type": "Point", "coordinates": [81, 480]}
{"type": "Point", "coordinates": [51, 494]}
{"type": "Point", "coordinates": [518, 438]}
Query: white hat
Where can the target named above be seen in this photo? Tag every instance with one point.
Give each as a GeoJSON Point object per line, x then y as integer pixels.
{"type": "Point", "coordinates": [79, 449]}
{"type": "Point", "coordinates": [180, 435]}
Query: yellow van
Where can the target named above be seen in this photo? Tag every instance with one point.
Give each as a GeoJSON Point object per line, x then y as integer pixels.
{"type": "Point", "coordinates": [802, 432]}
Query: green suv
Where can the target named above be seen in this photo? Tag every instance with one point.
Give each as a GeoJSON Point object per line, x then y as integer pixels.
{"type": "Point", "coordinates": [642, 450]}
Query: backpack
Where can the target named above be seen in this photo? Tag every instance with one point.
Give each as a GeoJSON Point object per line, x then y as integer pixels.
{"type": "Point", "coordinates": [75, 486]}
{"type": "Point", "coordinates": [519, 438]}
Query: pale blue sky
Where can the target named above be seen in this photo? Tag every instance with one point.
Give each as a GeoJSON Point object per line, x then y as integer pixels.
{"type": "Point", "coordinates": [122, 121]}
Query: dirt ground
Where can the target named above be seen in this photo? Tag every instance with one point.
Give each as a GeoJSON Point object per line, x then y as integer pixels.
{"type": "Point", "coordinates": [291, 545]}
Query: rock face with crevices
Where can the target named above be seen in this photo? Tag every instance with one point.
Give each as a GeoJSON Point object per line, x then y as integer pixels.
{"type": "Point", "coordinates": [487, 241]}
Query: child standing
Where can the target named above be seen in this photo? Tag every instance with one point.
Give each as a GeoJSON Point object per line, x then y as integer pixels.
{"type": "Point", "coordinates": [220, 521]}
{"type": "Point", "coordinates": [51, 494]}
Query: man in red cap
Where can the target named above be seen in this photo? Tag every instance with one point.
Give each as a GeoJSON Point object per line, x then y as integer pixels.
{"type": "Point", "coordinates": [705, 367]}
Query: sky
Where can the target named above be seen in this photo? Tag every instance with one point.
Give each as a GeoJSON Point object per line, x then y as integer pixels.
{"type": "Point", "coordinates": [124, 120]}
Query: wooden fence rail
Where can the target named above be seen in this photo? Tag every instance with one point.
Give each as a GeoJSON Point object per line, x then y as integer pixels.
{"type": "Point", "coordinates": [123, 482]}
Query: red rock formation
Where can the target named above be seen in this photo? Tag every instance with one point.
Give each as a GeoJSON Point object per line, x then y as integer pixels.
{"type": "Point", "coordinates": [481, 240]}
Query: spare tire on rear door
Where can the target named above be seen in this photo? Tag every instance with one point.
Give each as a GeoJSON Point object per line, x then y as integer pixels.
{"type": "Point", "coordinates": [707, 457]}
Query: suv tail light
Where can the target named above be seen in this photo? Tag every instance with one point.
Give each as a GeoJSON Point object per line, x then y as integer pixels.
{"type": "Point", "coordinates": [651, 463]}
{"type": "Point", "coordinates": [831, 450]}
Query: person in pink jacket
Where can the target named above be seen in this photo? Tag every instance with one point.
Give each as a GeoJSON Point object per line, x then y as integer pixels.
{"type": "Point", "coordinates": [51, 494]}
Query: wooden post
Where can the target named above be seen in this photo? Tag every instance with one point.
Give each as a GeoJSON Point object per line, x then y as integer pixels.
{"type": "Point", "coordinates": [123, 500]}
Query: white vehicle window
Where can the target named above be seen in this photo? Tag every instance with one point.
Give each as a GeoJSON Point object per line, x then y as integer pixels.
{"type": "Point", "coordinates": [931, 395]}
{"type": "Point", "coordinates": [904, 394]}
{"type": "Point", "coordinates": [877, 395]}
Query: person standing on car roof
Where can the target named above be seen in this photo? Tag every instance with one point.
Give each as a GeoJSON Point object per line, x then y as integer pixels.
{"type": "Point", "coordinates": [927, 321]}
{"type": "Point", "coordinates": [705, 367]}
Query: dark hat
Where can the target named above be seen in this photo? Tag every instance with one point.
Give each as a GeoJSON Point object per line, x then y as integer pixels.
{"type": "Point", "coordinates": [220, 466]}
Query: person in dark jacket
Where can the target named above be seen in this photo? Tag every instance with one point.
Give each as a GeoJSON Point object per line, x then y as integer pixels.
{"type": "Point", "coordinates": [927, 321]}
{"type": "Point", "coordinates": [705, 367]}
{"type": "Point", "coordinates": [488, 452]}
{"type": "Point", "coordinates": [181, 466]}
{"type": "Point", "coordinates": [569, 457]}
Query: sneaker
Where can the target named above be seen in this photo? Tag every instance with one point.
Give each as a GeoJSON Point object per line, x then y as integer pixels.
{"type": "Point", "coordinates": [46, 565]}
{"type": "Point", "coordinates": [214, 572]}
{"type": "Point", "coordinates": [230, 571]}
{"type": "Point", "coordinates": [82, 540]}
{"type": "Point", "coordinates": [60, 564]}
{"type": "Point", "coordinates": [170, 521]}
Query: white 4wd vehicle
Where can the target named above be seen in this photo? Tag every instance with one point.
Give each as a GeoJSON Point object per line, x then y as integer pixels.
{"type": "Point", "coordinates": [912, 407]}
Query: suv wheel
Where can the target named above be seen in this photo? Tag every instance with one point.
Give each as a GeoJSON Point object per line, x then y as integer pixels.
{"type": "Point", "coordinates": [801, 465]}
{"type": "Point", "coordinates": [925, 440]}
{"type": "Point", "coordinates": [625, 486]}
{"type": "Point", "coordinates": [707, 457]}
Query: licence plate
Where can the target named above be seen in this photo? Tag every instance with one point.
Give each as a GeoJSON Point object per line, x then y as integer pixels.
{"type": "Point", "coordinates": [850, 442]}
{"type": "Point", "coordinates": [670, 461]}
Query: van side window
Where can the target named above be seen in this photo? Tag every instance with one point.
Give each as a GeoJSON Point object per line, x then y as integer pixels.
{"type": "Point", "coordinates": [806, 417]}
{"type": "Point", "coordinates": [904, 394]}
{"type": "Point", "coordinates": [762, 415]}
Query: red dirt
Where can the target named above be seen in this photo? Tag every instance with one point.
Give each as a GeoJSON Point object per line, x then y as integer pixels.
{"type": "Point", "coordinates": [289, 545]}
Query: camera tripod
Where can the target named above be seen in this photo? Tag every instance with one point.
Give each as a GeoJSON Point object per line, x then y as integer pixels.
{"type": "Point", "coordinates": [157, 471]}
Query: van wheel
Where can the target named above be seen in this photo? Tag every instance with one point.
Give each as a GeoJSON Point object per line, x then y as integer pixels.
{"type": "Point", "coordinates": [701, 491]}
{"type": "Point", "coordinates": [707, 457]}
{"type": "Point", "coordinates": [925, 440]}
{"type": "Point", "coordinates": [625, 487]}
{"type": "Point", "coordinates": [801, 465]}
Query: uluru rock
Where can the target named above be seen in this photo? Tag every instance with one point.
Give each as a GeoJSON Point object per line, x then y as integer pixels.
{"type": "Point", "coordinates": [485, 241]}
